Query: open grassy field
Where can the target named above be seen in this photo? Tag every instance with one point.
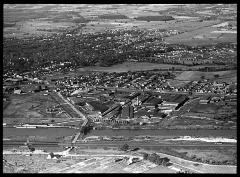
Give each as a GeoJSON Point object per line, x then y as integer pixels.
{"type": "Point", "coordinates": [205, 108]}
{"type": "Point", "coordinates": [200, 33]}
{"type": "Point", "coordinates": [160, 169]}
{"type": "Point", "coordinates": [31, 105]}
{"type": "Point", "coordinates": [99, 17]}
{"type": "Point", "coordinates": [217, 154]}
{"type": "Point", "coordinates": [177, 83]}
{"type": "Point", "coordinates": [33, 164]}
{"type": "Point", "coordinates": [204, 168]}
{"type": "Point", "coordinates": [189, 122]}
{"type": "Point", "coordinates": [226, 76]}
{"type": "Point", "coordinates": [131, 66]}
{"type": "Point", "coordinates": [145, 66]}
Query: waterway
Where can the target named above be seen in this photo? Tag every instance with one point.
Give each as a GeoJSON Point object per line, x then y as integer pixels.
{"type": "Point", "coordinates": [59, 132]}
{"type": "Point", "coordinates": [49, 132]}
{"type": "Point", "coordinates": [203, 133]}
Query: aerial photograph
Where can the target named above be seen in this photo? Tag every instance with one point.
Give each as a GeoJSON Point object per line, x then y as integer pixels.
{"type": "Point", "coordinates": [120, 88]}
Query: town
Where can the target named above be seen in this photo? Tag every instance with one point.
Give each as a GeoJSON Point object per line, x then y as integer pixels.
{"type": "Point", "coordinates": [152, 94]}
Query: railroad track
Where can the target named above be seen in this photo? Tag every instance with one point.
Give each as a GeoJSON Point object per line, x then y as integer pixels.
{"type": "Point", "coordinates": [112, 144]}
{"type": "Point", "coordinates": [37, 143]}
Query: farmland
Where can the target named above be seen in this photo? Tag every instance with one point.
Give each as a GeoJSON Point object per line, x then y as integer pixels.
{"type": "Point", "coordinates": [219, 155]}
{"type": "Point", "coordinates": [196, 75]}
{"type": "Point", "coordinates": [22, 21]}
{"type": "Point", "coordinates": [202, 35]}
{"type": "Point", "coordinates": [31, 108]}
{"type": "Point", "coordinates": [130, 66]}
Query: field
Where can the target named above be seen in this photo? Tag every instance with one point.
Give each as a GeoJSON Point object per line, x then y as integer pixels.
{"type": "Point", "coordinates": [31, 105]}
{"type": "Point", "coordinates": [226, 76]}
{"type": "Point", "coordinates": [85, 164]}
{"type": "Point", "coordinates": [200, 33]}
{"type": "Point", "coordinates": [33, 164]}
{"type": "Point", "coordinates": [131, 66]}
{"type": "Point", "coordinates": [26, 20]}
{"type": "Point", "coordinates": [205, 108]}
{"type": "Point", "coordinates": [32, 20]}
{"type": "Point", "coordinates": [160, 169]}
{"type": "Point", "coordinates": [177, 83]}
{"type": "Point", "coordinates": [145, 66]}
{"type": "Point", "coordinates": [190, 122]}
{"type": "Point", "coordinates": [205, 168]}
{"type": "Point", "coordinates": [219, 154]}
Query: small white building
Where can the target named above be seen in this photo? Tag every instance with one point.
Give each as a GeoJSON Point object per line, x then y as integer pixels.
{"type": "Point", "coordinates": [18, 91]}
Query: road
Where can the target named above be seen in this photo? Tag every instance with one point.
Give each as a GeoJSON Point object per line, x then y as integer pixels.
{"type": "Point", "coordinates": [114, 144]}
{"type": "Point", "coordinates": [72, 106]}
{"type": "Point", "coordinates": [78, 112]}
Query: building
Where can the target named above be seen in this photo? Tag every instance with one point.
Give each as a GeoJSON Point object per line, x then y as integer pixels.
{"type": "Point", "coordinates": [166, 111]}
{"type": "Point", "coordinates": [131, 112]}
{"type": "Point", "coordinates": [205, 100]}
{"type": "Point", "coordinates": [18, 91]}
{"type": "Point", "coordinates": [169, 104]}
{"type": "Point", "coordinates": [125, 111]}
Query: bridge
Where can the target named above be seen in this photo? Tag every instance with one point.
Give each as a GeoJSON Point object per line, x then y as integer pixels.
{"type": "Point", "coordinates": [86, 120]}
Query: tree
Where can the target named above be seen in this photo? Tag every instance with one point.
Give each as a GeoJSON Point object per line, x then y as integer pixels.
{"type": "Point", "coordinates": [31, 149]}
{"type": "Point", "coordinates": [145, 156]}
{"type": "Point", "coordinates": [51, 154]}
{"type": "Point", "coordinates": [165, 161]}
{"type": "Point", "coordinates": [153, 157]}
{"type": "Point", "coordinates": [159, 160]}
{"type": "Point", "coordinates": [125, 147]}
{"type": "Point", "coordinates": [202, 77]}
{"type": "Point", "coordinates": [216, 76]}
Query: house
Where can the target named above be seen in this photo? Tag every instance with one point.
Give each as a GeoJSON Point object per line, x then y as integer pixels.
{"type": "Point", "coordinates": [18, 91]}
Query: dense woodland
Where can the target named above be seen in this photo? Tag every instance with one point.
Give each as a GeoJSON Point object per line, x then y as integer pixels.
{"type": "Point", "coordinates": [100, 49]}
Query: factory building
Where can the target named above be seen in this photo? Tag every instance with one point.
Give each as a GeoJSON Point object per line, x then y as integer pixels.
{"type": "Point", "coordinates": [110, 121]}
{"type": "Point", "coordinates": [128, 111]}
{"type": "Point", "coordinates": [205, 100]}
{"type": "Point", "coordinates": [131, 112]}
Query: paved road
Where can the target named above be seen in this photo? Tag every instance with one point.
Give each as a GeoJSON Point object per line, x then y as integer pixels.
{"type": "Point", "coordinates": [73, 107]}
{"type": "Point", "coordinates": [78, 112]}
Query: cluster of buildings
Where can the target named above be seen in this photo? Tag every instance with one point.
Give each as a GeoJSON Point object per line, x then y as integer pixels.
{"type": "Point", "coordinates": [206, 86]}
{"type": "Point", "coordinates": [130, 80]}
{"type": "Point", "coordinates": [192, 56]}
{"type": "Point", "coordinates": [22, 85]}
{"type": "Point", "coordinates": [228, 99]}
{"type": "Point", "coordinates": [140, 81]}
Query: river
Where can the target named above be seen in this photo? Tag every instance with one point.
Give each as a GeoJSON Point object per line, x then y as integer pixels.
{"type": "Point", "coordinates": [59, 132]}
